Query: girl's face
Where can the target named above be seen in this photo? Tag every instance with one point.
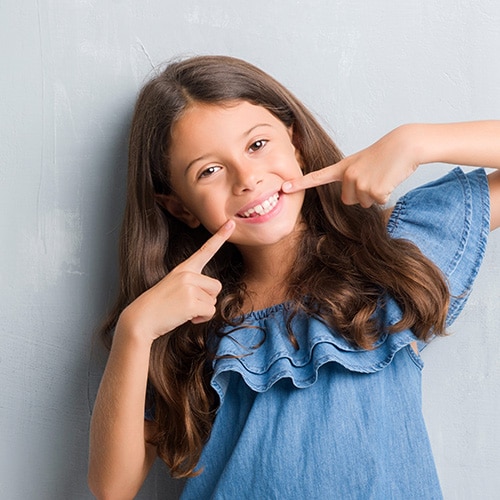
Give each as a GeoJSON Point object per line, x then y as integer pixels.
{"type": "Point", "coordinates": [229, 162]}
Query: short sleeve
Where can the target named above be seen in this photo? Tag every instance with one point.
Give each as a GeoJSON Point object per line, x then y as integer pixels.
{"type": "Point", "coordinates": [448, 219]}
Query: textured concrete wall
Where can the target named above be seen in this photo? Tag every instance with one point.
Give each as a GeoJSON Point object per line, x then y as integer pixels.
{"type": "Point", "coordinates": [69, 75]}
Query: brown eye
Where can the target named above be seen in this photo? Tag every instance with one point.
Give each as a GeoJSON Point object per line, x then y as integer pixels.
{"type": "Point", "coordinates": [258, 145]}
{"type": "Point", "coordinates": [209, 171]}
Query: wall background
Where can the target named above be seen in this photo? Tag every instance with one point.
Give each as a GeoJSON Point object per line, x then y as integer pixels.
{"type": "Point", "coordinates": [69, 75]}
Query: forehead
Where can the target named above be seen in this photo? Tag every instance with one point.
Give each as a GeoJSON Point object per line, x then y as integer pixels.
{"type": "Point", "coordinates": [203, 126]}
{"type": "Point", "coordinates": [229, 114]}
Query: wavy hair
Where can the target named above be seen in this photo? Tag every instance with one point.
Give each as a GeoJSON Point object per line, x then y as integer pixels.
{"type": "Point", "coordinates": [345, 265]}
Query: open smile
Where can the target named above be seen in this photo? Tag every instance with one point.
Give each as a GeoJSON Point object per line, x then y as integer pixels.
{"type": "Point", "coordinates": [262, 208]}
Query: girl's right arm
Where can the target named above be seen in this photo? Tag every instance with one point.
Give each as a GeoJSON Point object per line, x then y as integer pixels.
{"type": "Point", "coordinates": [120, 456]}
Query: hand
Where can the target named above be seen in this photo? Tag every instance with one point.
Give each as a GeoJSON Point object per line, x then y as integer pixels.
{"type": "Point", "coordinates": [369, 176]}
{"type": "Point", "coordinates": [182, 295]}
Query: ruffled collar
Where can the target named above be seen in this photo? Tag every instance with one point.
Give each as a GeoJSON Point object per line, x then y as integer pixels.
{"type": "Point", "coordinates": [260, 351]}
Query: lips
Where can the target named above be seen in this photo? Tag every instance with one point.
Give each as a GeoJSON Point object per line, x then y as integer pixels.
{"type": "Point", "coordinates": [261, 208]}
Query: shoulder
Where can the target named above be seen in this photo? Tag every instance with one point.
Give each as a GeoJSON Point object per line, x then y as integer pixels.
{"type": "Point", "coordinates": [451, 209]}
{"type": "Point", "coordinates": [448, 220]}
{"type": "Point", "coordinates": [441, 198]}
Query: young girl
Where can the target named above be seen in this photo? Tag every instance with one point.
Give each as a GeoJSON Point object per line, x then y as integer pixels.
{"type": "Point", "coordinates": [271, 310]}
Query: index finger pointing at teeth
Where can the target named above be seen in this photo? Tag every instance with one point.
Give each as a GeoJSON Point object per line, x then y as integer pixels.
{"type": "Point", "coordinates": [325, 175]}
{"type": "Point", "coordinates": [201, 257]}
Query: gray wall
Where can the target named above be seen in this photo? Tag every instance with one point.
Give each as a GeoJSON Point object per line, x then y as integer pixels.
{"type": "Point", "coordinates": [69, 75]}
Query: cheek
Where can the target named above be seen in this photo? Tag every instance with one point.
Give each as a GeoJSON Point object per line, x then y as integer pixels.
{"type": "Point", "coordinates": [210, 212]}
{"type": "Point", "coordinates": [297, 155]}
{"type": "Point", "coordinates": [292, 167]}
{"type": "Point", "coordinates": [299, 200]}
{"type": "Point", "coordinates": [299, 160]}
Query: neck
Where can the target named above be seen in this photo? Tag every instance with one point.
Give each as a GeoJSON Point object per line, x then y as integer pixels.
{"type": "Point", "coordinates": [267, 269]}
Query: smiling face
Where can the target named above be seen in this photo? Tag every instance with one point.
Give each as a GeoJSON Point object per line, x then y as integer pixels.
{"type": "Point", "coordinates": [229, 162]}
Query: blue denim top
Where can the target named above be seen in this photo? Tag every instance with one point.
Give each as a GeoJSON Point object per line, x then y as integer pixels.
{"type": "Point", "coordinates": [331, 421]}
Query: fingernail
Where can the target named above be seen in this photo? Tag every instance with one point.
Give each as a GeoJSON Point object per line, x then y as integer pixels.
{"type": "Point", "coordinates": [286, 186]}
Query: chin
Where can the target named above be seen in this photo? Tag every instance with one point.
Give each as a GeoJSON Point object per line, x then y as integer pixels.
{"type": "Point", "coordinates": [274, 237]}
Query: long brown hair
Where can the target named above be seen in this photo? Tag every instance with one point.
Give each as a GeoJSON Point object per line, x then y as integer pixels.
{"type": "Point", "coordinates": [346, 264]}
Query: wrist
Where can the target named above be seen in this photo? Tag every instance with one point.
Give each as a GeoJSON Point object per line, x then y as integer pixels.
{"type": "Point", "coordinates": [128, 332]}
{"type": "Point", "coordinates": [413, 143]}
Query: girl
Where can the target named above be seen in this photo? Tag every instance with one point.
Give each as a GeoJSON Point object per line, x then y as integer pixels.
{"type": "Point", "coordinates": [279, 357]}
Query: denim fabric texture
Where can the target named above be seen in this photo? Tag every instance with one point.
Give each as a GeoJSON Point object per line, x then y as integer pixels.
{"type": "Point", "coordinates": [330, 421]}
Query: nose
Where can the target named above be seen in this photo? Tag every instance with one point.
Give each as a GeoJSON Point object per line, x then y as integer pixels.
{"type": "Point", "coordinates": [246, 177]}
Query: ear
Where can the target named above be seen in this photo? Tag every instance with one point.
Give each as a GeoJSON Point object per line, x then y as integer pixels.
{"type": "Point", "coordinates": [176, 208]}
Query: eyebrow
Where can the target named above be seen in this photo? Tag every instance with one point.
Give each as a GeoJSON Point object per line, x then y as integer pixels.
{"type": "Point", "coordinates": [245, 134]}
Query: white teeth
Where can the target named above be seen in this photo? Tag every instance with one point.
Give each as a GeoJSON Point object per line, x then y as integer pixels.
{"type": "Point", "coordinates": [264, 208]}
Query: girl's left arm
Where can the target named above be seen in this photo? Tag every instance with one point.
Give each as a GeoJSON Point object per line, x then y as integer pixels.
{"type": "Point", "coordinates": [475, 144]}
{"type": "Point", "coordinates": [371, 175]}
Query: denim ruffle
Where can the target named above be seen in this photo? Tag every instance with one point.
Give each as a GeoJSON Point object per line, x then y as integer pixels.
{"type": "Point", "coordinates": [262, 364]}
